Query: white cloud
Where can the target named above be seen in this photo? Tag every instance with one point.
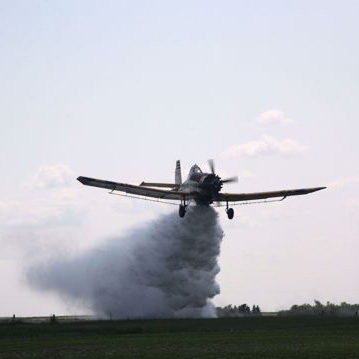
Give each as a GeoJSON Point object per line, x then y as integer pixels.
{"type": "Point", "coordinates": [32, 218]}
{"type": "Point", "coordinates": [273, 117]}
{"type": "Point", "coordinates": [53, 176]}
{"type": "Point", "coordinates": [354, 203]}
{"type": "Point", "coordinates": [246, 173]}
{"type": "Point", "coordinates": [39, 214]}
{"type": "Point", "coordinates": [248, 221]}
{"type": "Point", "coordinates": [266, 145]}
{"type": "Point", "coordinates": [343, 183]}
{"type": "Point", "coordinates": [34, 227]}
{"type": "Point", "coordinates": [67, 217]}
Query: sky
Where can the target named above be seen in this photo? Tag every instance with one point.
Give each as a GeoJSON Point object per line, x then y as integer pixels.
{"type": "Point", "coordinates": [120, 90]}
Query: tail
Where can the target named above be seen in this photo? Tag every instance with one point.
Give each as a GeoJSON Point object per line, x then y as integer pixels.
{"type": "Point", "coordinates": [178, 175]}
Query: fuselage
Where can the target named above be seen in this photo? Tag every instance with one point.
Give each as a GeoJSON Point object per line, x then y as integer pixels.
{"type": "Point", "coordinates": [205, 185]}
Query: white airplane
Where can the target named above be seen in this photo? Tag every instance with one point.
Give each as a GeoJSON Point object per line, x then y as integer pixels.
{"type": "Point", "coordinates": [202, 188]}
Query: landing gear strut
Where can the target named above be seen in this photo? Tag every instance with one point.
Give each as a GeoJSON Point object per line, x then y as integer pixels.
{"type": "Point", "coordinates": [182, 208]}
{"type": "Point", "coordinates": [230, 212]}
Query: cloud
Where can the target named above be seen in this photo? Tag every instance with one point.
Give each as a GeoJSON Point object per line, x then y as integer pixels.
{"type": "Point", "coordinates": [344, 183]}
{"type": "Point", "coordinates": [39, 214]}
{"type": "Point", "coordinates": [52, 176]}
{"type": "Point", "coordinates": [354, 203]}
{"type": "Point", "coordinates": [266, 145]}
{"type": "Point", "coordinates": [246, 173]}
{"type": "Point", "coordinates": [32, 217]}
{"type": "Point", "coordinates": [33, 221]}
{"type": "Point", "coordinates": [33, 228]}
{"type": "Point", "coordinates": [273, 117]}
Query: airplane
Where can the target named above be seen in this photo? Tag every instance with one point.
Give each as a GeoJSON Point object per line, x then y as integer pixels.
{"type": "Point", "coordinates": [200, 187]}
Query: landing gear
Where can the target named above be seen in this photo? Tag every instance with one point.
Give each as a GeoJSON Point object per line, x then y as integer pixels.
{"type": "Point", "coordinates": [230, 212]}
{"type": "Point", "coordinates": [182, 210]}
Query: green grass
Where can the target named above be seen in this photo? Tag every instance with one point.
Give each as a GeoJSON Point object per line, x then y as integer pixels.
{"type": "Point", "coordinates": [250, 337]}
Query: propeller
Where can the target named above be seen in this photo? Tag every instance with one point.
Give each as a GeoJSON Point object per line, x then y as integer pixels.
{"type": "Point", "coordinates": [230, 180]}
{"type": "Point", "coordinates": [233, 179]}
{"type": "Point", "coordinates": [211, 166]}
{"type": "Point", "coordinates": [216, 183]}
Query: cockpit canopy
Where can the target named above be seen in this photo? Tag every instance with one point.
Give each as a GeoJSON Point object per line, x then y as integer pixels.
{"type": "Point", "coordinates": [194, 172]}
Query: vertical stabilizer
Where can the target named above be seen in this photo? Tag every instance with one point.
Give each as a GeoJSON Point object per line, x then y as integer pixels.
{"type": "Point", "coordinates": [178, 175]}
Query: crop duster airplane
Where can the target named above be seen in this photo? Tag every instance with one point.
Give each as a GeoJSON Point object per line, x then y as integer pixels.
{"type": "Point", "coordinates": [201, 188]}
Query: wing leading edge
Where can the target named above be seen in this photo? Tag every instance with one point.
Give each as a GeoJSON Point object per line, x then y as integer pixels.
{"type": "Point", "coordinates": [238, 197]}
{"type": "Point", "coordinates": [135, 190]}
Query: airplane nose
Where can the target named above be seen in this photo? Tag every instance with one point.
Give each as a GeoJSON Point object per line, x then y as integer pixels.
{"type": "Point", "coordinates": [212, 183]}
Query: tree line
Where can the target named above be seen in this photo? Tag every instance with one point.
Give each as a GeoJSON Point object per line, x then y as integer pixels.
{"type": "Point", "coordinates": [323, 309]}
{"type": "Point", "coordinates": [231, 311]}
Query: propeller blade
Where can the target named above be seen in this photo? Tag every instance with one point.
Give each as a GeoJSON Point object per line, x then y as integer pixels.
{"type": "Point", "coordinates": [230, 180]}
{"type": "Point", "coordinates": [211, 165]}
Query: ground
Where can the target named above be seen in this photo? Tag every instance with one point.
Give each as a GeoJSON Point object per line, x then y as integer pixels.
{"type": "Point", "coordinates": [250, 337]}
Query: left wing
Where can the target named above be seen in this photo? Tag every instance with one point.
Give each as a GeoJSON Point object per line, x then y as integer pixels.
{"type": "Point", "coordinates": [238, 197]}
{"type": "Point", "coordinates": [136, 190]}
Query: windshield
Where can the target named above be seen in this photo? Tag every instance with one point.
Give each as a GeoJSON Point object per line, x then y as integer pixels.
{"type": "Point", "coordinates": [195, 170]}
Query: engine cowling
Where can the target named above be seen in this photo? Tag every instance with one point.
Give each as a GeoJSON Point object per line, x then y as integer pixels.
{"type": "Point", "coordinates": [211, 183]}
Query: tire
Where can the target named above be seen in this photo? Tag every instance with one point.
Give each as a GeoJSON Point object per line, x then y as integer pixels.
{"type": "Point", "coordinates": [182, 211]}
{"type": "Point", "coordinates": [230, 213]}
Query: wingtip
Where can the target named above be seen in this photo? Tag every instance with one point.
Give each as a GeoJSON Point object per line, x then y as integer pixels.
{"type": "Point", "coordinates": [80, 179]}
{"type": "Point", "coordinates": [318, 189]}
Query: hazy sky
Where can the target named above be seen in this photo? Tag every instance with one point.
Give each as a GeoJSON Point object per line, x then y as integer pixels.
{"type": "Point", "coordinates": [122, 89]}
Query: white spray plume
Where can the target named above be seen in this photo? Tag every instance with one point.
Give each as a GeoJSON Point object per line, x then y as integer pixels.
{"type": "Point", "coordinates": [166, 269]}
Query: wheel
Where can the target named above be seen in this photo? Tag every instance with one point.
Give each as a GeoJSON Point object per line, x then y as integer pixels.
{"type": "Point", "coordinates": [230, 213]}
{"type": "Point", "coordinates": [182, 211]}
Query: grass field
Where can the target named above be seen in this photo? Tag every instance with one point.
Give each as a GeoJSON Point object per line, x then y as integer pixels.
{"type": "Point", "coordinates": [249, 337]}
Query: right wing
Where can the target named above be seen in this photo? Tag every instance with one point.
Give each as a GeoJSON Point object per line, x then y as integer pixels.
{"type": "Point", "coordinates": [136, 190]}
{"type": "Point", "coordinates": [238, 197]}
